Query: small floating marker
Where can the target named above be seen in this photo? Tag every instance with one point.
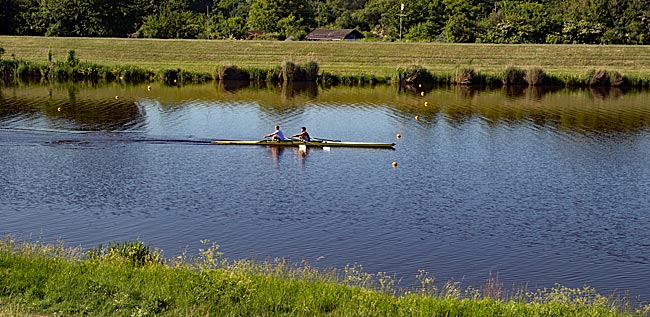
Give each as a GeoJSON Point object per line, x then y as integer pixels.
{"type": "Point", "coordinates": [417, 118]}
{"type": "Point", "coordinates": [149, 88]}
{"type": "Point", "coordinates": [394, 164]}
{"type": "Point", "coordinates": [422, 94]}
{"type": "Point", "coordinates": [59, 109]}
{"type": "Point", "coordinates": [117, 97]}
{"type": "Point", "coordinates": [399, 135]}
{"type": "Point", "coordinates": [420, 85]}
{"type": "Point", "coordinates": [121, 78]}
{"type": "Point", "coordinates": [174, 80]}
{"type": "Point", "coordinates": [426, 103]}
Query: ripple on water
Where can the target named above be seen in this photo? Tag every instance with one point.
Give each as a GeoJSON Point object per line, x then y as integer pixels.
{"type": "Point", "coordinates": [537, 189]}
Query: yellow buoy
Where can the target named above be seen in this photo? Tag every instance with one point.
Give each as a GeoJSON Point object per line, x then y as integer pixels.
{"type": "Point", "coordinates": [399, 135]}
{"type": "Point", "coordinates": [149, 88]}
{"type": "Point", "coordinates": [117, 97]}
{"type": "Point", "coordinates": [59, 109]}
{"type": "Point", "coordinates": [394, 164]}
{"type": "Point", "coordinates": [417, 117]}
{"type": "Point", "coordinates": [422, 94]}
{"type": "Point", "coordinates": [420, 85]}
{"type": "Point", "coordinates": [426, 103]}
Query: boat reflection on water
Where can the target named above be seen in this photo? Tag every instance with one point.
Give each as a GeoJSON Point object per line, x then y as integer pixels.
{"type": "Point", "coordinates": [302, 151]}
{"type": "Point", "coordinates": [299, 154]}
{"type": "Point", "coordinates": [276, 154]}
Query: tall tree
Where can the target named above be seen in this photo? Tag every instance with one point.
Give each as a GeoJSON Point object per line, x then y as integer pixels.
{"type": "Point", "coordinates": [519, 22]}
{"type": "Point", "coordinates": [174, 19]}
{"type": "Point", "coordinates": [123, 17]}
{"type": "Point", "coordinates": [629, 23]}
{"type": "Point", "coordinates": [424, 20]}
{"type": "Point", "coordinates": [277, 16]}
{"type": "Point", "coordinates": [233, 8]}
{"type": "Point", "coordinates": [462, 19]}
{"type": "Point", "coordinates": [8, 16]}
{"type": "Point", "coordinates": [584, 21]}
{"type": "Point", "coordinates": [73, 18]}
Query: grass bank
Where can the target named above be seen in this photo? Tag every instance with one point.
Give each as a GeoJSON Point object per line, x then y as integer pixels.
{"type": "Point", "coordinates": [570, 64]}
{"type": "Point", "coordinates": [130, 279]}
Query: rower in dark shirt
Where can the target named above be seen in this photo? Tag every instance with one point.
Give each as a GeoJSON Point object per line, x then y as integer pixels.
{"type": "Point", "coordinates": [303, 135]}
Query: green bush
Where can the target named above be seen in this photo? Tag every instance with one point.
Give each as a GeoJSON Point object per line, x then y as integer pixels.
{"type": "Point", "coordinates": [71, 59]}
{"type": "Point", "coordinates": [135, 253]}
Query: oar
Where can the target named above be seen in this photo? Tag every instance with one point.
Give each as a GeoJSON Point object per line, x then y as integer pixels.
{"type": "Point", "coordinates": [319, 139]}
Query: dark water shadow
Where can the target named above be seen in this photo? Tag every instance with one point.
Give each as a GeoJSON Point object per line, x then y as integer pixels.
{"type": "Point", "coordinates": [233, 85]}
{"type": "Point", "coordinates": [537, 92]}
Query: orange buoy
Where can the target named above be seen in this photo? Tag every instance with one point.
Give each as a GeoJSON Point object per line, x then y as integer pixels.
{"type": "Point", "coordinates": [426, 103]}
{"type": "Point", "coordinates": [394, 164]}
{"type": "Point", "coordinates": [422, 94]}
{"type": "Point", "coordinates": [399, 135]}
{"type": "Point", "coordinates": [149, 88]}
{"type": "Point", "coordinates": [417, 117]}
{"type": "Point", "coordinates": [59, 109]}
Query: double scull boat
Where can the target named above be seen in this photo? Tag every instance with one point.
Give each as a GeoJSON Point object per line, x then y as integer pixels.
{"type": "Point", "coordinates": [313, 143]}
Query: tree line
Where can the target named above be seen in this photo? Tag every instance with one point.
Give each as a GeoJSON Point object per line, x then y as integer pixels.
{"type": "Point", "coordinates": [454, 21]}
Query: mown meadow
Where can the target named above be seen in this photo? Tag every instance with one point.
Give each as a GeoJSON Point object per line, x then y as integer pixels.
{"type": "Point", "coordinates": [570, 64]}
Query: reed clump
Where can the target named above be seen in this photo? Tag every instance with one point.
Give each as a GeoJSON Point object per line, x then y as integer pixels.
{"type": "Point", "coordinates": [290, 71]}
{"type": "Point", "coordinates": [131, 279]}
{"type": "Point", "coordinates": [232, 72]}
{"type": "Point", "coordinates": [414, 75]}
{"type": "Point", "coordinates": [536, 76]}
{"type": "Point", "coordinates": [515, 76]}
{"type": "Point", "coordinates": [606, 78]}
{"type": "Point", "coordinates": [467, 76]}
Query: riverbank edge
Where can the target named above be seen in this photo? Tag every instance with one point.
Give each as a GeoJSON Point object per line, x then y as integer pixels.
{"type": "Point", "coordinates": [291, 72]}
{"type": "Point", "coordinates": [72, 68]}
{"type": "Point", "coordinates": [131, 279]}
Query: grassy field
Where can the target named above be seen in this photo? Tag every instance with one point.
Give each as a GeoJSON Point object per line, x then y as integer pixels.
{"type": "Point", "coordinates": [346, 58]}
{"type": "Point", "coordinates": [129, 279]}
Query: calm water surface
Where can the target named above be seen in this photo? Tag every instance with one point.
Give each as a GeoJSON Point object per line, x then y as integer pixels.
{"type": "Point", "coordinates": [537, 187]}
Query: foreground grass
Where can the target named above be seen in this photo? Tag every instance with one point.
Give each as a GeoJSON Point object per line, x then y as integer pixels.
{"type": "Point", "coordinates": [131, 280]}
{"type": "Point", "coordinates": [346, 58]}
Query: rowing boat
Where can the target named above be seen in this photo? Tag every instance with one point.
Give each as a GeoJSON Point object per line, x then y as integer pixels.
{"type": "Point", "coordinates": [319, 143]}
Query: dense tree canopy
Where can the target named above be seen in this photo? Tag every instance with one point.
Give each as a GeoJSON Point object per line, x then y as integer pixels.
{"type": "Point", "coordinates": [461, 21]}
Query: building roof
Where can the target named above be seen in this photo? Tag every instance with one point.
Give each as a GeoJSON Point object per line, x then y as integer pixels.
{"type": "Point", "coordinates": [333, 35]}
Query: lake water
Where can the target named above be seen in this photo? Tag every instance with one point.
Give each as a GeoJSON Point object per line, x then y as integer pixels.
{"type": "Point", "coordinates": [537, 187]}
